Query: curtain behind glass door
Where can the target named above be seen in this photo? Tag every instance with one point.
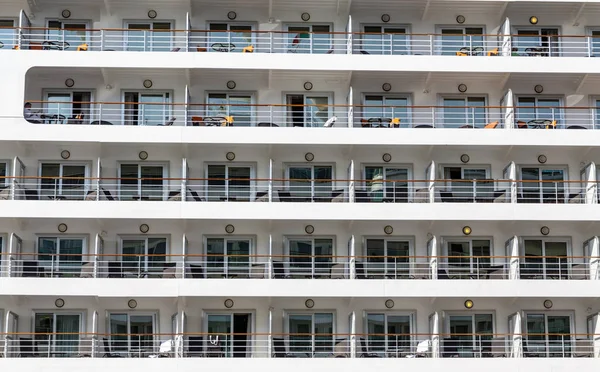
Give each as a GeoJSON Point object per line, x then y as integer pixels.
{"type": "Point", "coordinates": [397, 258]}
{"type": "Point", "coordinates": [300, 182]}
{"type": "Point", "coordinates": [300, 260]}
{"type": "Point", "coordinates": [157, 250]}
{"type": "Point", "coordinates": [376, 333]}
{"type": "Point", "coordinates": [152, 182]}
{"type": "Point", "coordinates": [50, 182]}
{"type": "Point", "coordinates": [299, 40]}
{"type": "Point", "coordinates": [398, 333]}
{"type": "Point", "coordinates": [129, 182]}
{"type": "Point", "coordinates": [553, 187]}
{"type": "Point", "coordinates": [67, 335]}
{"type": "Point", "coordinates": [217, 175]}
{"type": "Point", "coordinates": [396, 191]}
{"type": "Point", "coordinates": [323, 181]}
{"type": "Point", "coordinates": [153, 109]}
{"type": "Point", "coordinates": [73, 188]}
{"type": "Point", "coordinates": [482, 189]}
{"type": "Point", "coordinates": [530, 188]}
{"type": "Point", "coordinates": [133, 255]}
{"type": "Point", "coordinates": [323, 256]}
{"type": "Point", "coordinates": [238, 257]}
{"type": "Point", "coordinates": [43, 329]}
{"type": "Point", "coordinates": [323, 330]}
{"type": "Point", "coordinates": [241, 37]}
{"type": "Point", "coordinates": [239, 183]}
{"type": "Point", "coordinates": [557, 265]}
{"type": "Point", "coordinates": [215, 251]}
{"type": "Point", "coordinates": [142, 330]}
{"type": "Point", "coordinates": [137, 36]}
{"type": "Point", "coordinates": [161, 36]}
{"type": "Point", "coordinates": [559, 336]}
{"type": "Point", "coordinates": [533, 265]}
{"type": "Point", "coordinates": [300, 338]}
{"type": "Point", "coordinates": [70, 258]}
{"type": "Point", "coordinates": [119, 330]}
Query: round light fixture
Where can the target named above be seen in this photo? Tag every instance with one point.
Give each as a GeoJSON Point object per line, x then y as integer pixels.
{"type": "Point", "coordinates": [389, 303]}
{"type": "Point", "coordinates": [144, 228]}
{"type": "Point", "coordinates": [462, 88]}
{"type": "Point", "coordinates": [545, 230]}
{"type": "Point", "coordinates": [388, 229]}
{"type": "Point", "coordinates": [148, 83]}
{"type": "Point", "coordinates": [460, 19]}
{"type": "Point", "coordinates": [65, 154]}
{"type": "Point", "coordinates": [143, 155]}
{"type": "Point", "coordinates": [305, 17]}
{"type": "Point", "coordinates": [152, 14]}
{"type": "Point", "coordinates": [308, 85]}
{"type": "Point", "coordinates": [465, 158]}
{"type": "Point", "coordinates": [533, 20]}
{"type": "Point", "coordinates": [309, 156]}
{"type": "Point", "coordinates": [309, 229]}
{"type": "Point", "coordinates": [538, 88]}
{"type": "Point", "coordinates": [228, 303]}
{"type": "Point", "coordinates": [59, 302]}
{"type": "Point", "coordinates": [542, 159]}
{"type": "Point", "coordinates": [386, 157]}
{"type": "Point", "coordinates": [69, 83]}
{"type": "Point", "coordinates": [467, 230]}
{"type": "Point", "coordinates": [232, 15]}
{"type": "Point", "coordinates": [385, 18]}
{"type": "Point", "coordinates": [469, 304]}
{"type": "Point", "coordinates": [309, 303]}
{"type": "Point", "coordinates": [66, 13]}
{"type": "Point", "coordinates": [548, 304]}
{"type": "Point", "coordinates": [231, 84]}
{"type": "Point", "coordinates": [62, 227]}
{"type": "Point", "coordinates": [386, 87]}
{"type": "Point", "coordinates": [132, 304]}
{"type": "Point", "coordinates": [230, 156]}
{"type": "Point", "coordinates": [229, 229]}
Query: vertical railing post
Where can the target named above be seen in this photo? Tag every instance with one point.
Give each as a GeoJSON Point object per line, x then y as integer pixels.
{"type": "Point", "coordinates": [102, 40]}
{"type": "Point", "coordinates": [431, 38]}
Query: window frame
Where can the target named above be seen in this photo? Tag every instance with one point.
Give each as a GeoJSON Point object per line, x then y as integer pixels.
{"type": "Point", "coordinates": [55, 263]}
{"type": "Point", "coordinates": [412, 314]}
{"type": "Point", "coordinates": [386, 265]}
{"type": "Point", "coordinates": [52, 343]}
{"type": "Point", "coordinates": [62, 163]}
{"type": "Point", "coordinates": [251, 94]}
{"type": "Point", "coordinates": [472, 314]}
{"type": "Point", "coordinates": [311, 165]}
{"type": "Point", "coordinates": [473, 267]}
{"type": "Point", "coordinates": [384, 166]}
{"type": "Point", "coordinates": [155, 314]}
{"type": "Point", "coordinates": [146, 266]}
{"type": "Point", "coordinates": [169, 94]}
{"type": "Point", "coordinates": [540, 167]}
{"type": "Point", "coordinates": [46, 92]}
{"type": "Point", "coordinates": [15, 36]}
{"type": "Point", "coordinates": [288, 116]}
{"type": "Point", "coordinates": [230, 346]}
{"type": "Point", "coordinates": [389, 95]}
{"type": "Point", "coordinates": [225, 262]}
{"type": "Point", "coordinates": [286, 33]}
{"type": "Point", "coordinates": [439, 43]}
{"type": "Point", "coordinates": [570, 313]}
{"type": "Point", "coordinates": [515, 29]}
{"type": "Point", "coordinates": [407, 33]}
{"type": "Point", "coordinates": [8, 173]}
{"type": "Point", "coordinates": [544, 239]}
{"type": "Point", "coordinates": [252, 189]}
{"type": "Point", "coordinates": [253, 28]}
{"type": "Point", "coordinates": [442, 97]}
{"type": "Point", "coordinates": [537, 97]}
{"type": "Point", "coordinates": [69, 21]}
{"type": "Point", "coordinates": [151, 22]}
{"type": "Point", "coordinates": [314, 270]}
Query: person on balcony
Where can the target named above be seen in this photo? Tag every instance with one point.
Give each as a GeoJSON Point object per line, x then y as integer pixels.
{"type": "Point", "coordinates": [31, 116]}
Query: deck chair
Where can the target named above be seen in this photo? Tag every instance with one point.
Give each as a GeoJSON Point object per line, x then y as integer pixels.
{"type": "Point", "coordinates": [107, 194]}
{"type": "Point", "coordinates": [175, 49]}
{"type": "Point", "coordinates": [338, 271]}
{"type": "Point", "coordinates": [197, 271]}
{"type": "Point", "coordinates": [87, 270]}
{"type": "Point", "coordinates": [498, 346]}
{"type": "Point", "coordinates": [262, 196]}
{"type": "Point", "coordinates": [195, 195]}
{"type": "Point", "coordinates": [91, 195]}
{"type": "Point", "coordinates": [492, 125]}
{"type": "Point", "coordinates": [195, 346]}
{"type": "Point", "coordinates": [170, 270]}
{"type": "Point", "coordinates": [462, 54]}
{"type": "Point", "coordinates": [579, 272]}
{"type": "Point", "coordinates": [341, 349]}
{"type": "Point", "coordinates": [364, 352]}
{"type": "Point", "coordinates": [329, 123]}
{"type": "Point", "coordinates": [168, 123]}
{"type": "Point", "coordinates": [395, 123]}
{"type": "Point", "coordinates": [27, 348]}
{"type": "Point", "coordinates": [493, 52]}
{"type": "Point", "coordinates": [248, 49]}
{"type": "Point", "coordinates": [107, 353]}
{"type": "Point", "coordinates": [228, 122]}
{"type": "Point", "coordinates": [421, 271]}
{"type": "Point", "coordinates": [279, 350]}
{"type": "Point", "coordinates": [197, 121]}
{"type": "Point", "coordinates": [82, 48]}
{"type": "Point", "coordinates": [279, 270]}
{"type": "Point", "coordinates": [258, 271]}
{"type": "Point", "coordinates": [583, 348]}
{"type": "Point", "coordinates": [551, 125]}
{"type": "Point", "coordinates": [165, 350]}
{"type": "Point", "coordinates": [521, 125]}
{"type": "Point", "coordinates": [5, 193]}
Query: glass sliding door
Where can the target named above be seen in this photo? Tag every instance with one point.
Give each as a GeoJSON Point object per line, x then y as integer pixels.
{"type": "Point", "coordinates": [310, 182]}
{"type": "Point", "coordinates": [542, 185]}
{"type": "Point", "coordinates": [537, 42]}
{"type": "Point", "coordinates": [73, 33]}
{"type": "Point", "coordinates": [310, 257]}
{"type": "Point", "coordinates": [238, 106]}
{"type": "Point", "coordinates": [226, 37]}
{"type": "Point", "coordinates": [57, 334]}
{"type": "Point", "coordinates": [548, 335]}
{"type": "Point", "coordinates": [454, 39]}
{"type": "Point", "coordinates": [8, 34]}
{"type": "Point", "coordinates": [61, 255]}
{"type": "Point", "coordinates": [229, 335]}
{"type": "Point", "coordinates": [309, 39]}
{"type": "Point", "coordinates": [380, 111]}
{"type": "Point", "coordinates": [385, 40]}
{"type": "Point", "coordinates": [229, 183]}
{"type": "Point", "coordinates": [63, 181]}
{"type": "Point", "coordinates": [534, 110]}
{"type": "Point", "coordinates": [470, 335]}
{"type": "Point", "coordinates": [389, 334]}
{"type": "Point", "coordinates": [149, 37]}
{"type": "Point", "coordinates": [459, 189]}
{"type": "Point", "coordinates": [141, 182]}
{"type": "Point", "coordinates": [143, 255]}
{"type": "Point", "coordinates": [228, 257]}
{"type": "Point", "coordinates": [464, 112]}
{"type": "Point", "coordinates": [468, 257]}
{"type": "Point", "coordinates": [311, 335]}
{"type": "Point", "coordinates": [147, 108]}
{"type": "Point", "coordinates": [545, 259]}
{"type": "Point", "coordinates": [132, 334]}
{"type": "Point", "coordinates": [305, 110]}
{"type": "Point", "coordinates": [388, 258]}
{"type": "Point", "coordinates": [387, 184]}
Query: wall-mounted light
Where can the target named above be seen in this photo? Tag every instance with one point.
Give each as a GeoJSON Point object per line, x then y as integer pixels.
{"type": "Point", "coordinates": [462, 88]}
{"type": "Point", "coordinates": [65, 154]}
{"type": "Point", "coordinates": [309, 156]}
{"type": "Point", "coordinates": [542, 159]}
{"type": "Point", "coordinates": [467, 230]}
{"type": "Point", "coordinates": [388, 229]}
{"type": "Point", "coordinates": [386, 87]}
{"type": "Point", "coordinates": [230, 156]}
{"type": "Point", "coordinates": [548, 304]}
{"type": "Point", "coordinates": [143, 155]}
{"type": "Point", "coordinates": [148, 83]}
{"type": "Point", "coordinates": [309, 229]}
{"type": "Point", "coordinates": [305, 17]}
{"type": "Point", "coordinates": [385, 18]}
{"type": "Point", "coordinates": [132, 304]}
{"type": "Point", "coordinates": [144, 228]}
{"type": "Point", "coordinates": [533, 20]}
{"type": "Point", "coordinates": [469, 304]}
{"type": "Point", "coordinates": [229, 229]}
{"type": "Point", "coordinates": [59, 302]}
{"type": "Point", "coordinates": [386, 157]}
{"type": "Point", "coordinates": [464, 158]}
{"type": "Point", "coordinates": [232, 15]}
{"type": "Point", "coordinates": [460, 19]}
{"type": "Point", "coordinates": [66, 13]}
{"type": "Point", "coordinates": [308, 85]}
{"type": "Point", "coordinates": [108, 87]}
{"type": "Point", "coordinates": [538, 89]}
{"type": "Point", "coordinates": [545, 230]}
{"type": "Point", "coordinates": [309, 303]}
{"type": "Point", "coordinates": [228, 303]}
{"type": "Point", "coordinates": [69, 83]}
{"type": "Point", "coordinates": [152, 14]}
{"type": "Point", "coordinates": [389, 303]}
{"type": "Point", "coordinates": [231, 84]}
{"type": "Point", "coordinates": [62, 227]}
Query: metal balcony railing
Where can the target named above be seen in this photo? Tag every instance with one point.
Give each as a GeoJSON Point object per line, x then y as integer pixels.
{"type": "Point", "coordinates": [308, 42]}
{"type": "Point", "coordinates": [296, 266]}
{"type": "Point", "coordinates": [311, 115]}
